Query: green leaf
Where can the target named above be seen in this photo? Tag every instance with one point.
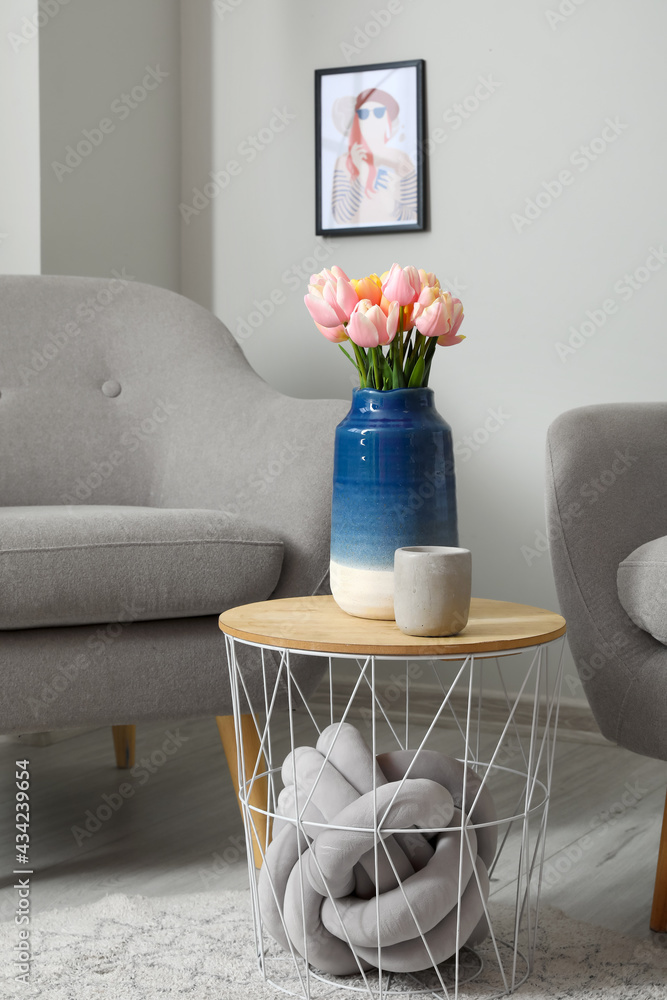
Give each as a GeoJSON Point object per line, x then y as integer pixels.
{"type": "Point", "coordinates": [417, 375]}
{"type": "Point", "coordinates": [387, 374]}
{"type": "Point", "coordinates": [361, 373]}
{"type": "Point", "coordinates": [362, 364]}
{"type": "Point", "coordinates": [407, 348]}
{"type": "Point", "coordinates": [348, 356]}
{"type": "Point", "coordinates": [428, 358]}
{"type": "Point", "coordinates": [410, 364]}
{"type": "Point", "coordinates": [415, 353]}
{"type": "Point", "coordinates": [398, 378]}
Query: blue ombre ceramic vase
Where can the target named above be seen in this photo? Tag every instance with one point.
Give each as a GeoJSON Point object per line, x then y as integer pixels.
{"type": "Point", "coordinates": [393, 486]}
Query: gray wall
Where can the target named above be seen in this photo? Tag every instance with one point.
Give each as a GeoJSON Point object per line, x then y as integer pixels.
{"type": "Point", "coordinates": [116, 205]}
{"type": "Point", "coordinates": [19, 128]}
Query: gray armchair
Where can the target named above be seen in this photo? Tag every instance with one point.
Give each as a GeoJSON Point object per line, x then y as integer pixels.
{"type": "Point", "coordinates": [606, 496]}
{"type": "Point", "coordinates": [149, 479]}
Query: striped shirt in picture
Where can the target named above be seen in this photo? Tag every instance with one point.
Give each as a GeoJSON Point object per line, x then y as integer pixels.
{"type": "Point", "coordinates": [348, 194]}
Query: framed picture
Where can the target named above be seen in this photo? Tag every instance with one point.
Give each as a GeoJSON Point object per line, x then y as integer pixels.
{"type": "Point", "coordinates": [369, 126]}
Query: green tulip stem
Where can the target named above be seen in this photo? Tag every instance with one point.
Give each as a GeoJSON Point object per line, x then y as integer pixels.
{"type": "Point", "coordinates": [420, 340]}
{"type": "Point", "coordinates": [361, 364]}
{"type": "Point", "coordinates": [406, 363]}
{"type": "Point", "coordinates": [408, 344]}
{"type": "Point", "coordinates": [428, 358]}
{"type": "Point", "coordinates": [376, 367]}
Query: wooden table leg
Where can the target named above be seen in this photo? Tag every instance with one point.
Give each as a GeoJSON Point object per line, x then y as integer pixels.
{"type": "Point", "coordinates": [124, 738]}
{"type": "Point", "coordinates": [259, 796]}
{"type": "Point", "coordinates": [659, 911]}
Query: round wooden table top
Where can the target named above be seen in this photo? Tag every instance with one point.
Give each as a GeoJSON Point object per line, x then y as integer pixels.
{"type": "Point", "coordinates": [319, 625]}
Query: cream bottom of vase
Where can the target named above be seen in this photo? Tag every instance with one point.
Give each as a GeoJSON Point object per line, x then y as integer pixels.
{"type": "Point", "coordinates": [364, 593]}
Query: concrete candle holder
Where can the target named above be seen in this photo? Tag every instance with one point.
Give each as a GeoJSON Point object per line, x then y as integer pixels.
{"type": "Point", "coordinates": [432, 585]}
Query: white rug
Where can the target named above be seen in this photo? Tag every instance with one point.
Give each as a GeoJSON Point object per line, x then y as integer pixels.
{"type": "Point", "coordinates": [201, 947]}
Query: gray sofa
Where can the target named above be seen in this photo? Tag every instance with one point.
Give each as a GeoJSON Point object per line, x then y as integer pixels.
{"type": "Point", "coordinates": [607, 496]}
{"type": "Point", "coordinates": [149, 479]}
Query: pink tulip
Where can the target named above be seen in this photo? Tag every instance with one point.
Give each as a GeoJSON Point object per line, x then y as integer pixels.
{"type": "Point", "coordinates": [331, 303]}
{"type": "Point", "coordinates": [402, 285]}
{"type": "Point", "coordinates": [428, 279]}
{"type": "Point", "coordinates": [336, 334]}
{"type": "Point", "coordinates": [338, 272]}
{"type": "Point", "coordinates": [432, 321]}
{"type": "Point", "coordinates": [328, 275]}
{"type": "Point", "coordinates": [341, 296]}
{"type": "Point", "coordinates": [439, 316]}
{"type": "Point", "coordinates": [428, 295]}
{"type": "Point", "coordinates": [457, 318]}
{"type": "Point", "coordinates": [321, 311]}
{"type": "Point", "coordinates": [369, 327]}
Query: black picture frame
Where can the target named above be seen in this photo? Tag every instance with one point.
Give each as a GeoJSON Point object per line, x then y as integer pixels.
{"type": "Point", "coordinates": [342, 206]}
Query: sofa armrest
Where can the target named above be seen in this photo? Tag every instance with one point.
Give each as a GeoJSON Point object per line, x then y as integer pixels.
{"type": "Point", "coordinates": [606, 495]}
{"type": "Point", "coordinates": [290, 491]}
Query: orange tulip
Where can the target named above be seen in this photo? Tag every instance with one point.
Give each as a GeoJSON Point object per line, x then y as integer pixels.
{"type": "Point", "coordinates": [369, 287]}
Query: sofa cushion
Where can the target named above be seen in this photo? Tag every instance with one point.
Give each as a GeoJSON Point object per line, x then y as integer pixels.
{"type": "Point", "coordinates": [81, 565]}
{"type": "Point", "coordinates": [642, 587]}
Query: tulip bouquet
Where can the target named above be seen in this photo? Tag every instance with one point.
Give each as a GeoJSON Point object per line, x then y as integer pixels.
{"type": "Point", "coordinates": [404, 310]}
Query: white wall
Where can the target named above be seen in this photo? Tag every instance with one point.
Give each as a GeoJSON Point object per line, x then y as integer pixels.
{"type": "Point", "coordinates": [555, 86]}
{"type": "Point", "coordinates": [19, 128]}
{"type": "Point", "coordinates": [113, 203]}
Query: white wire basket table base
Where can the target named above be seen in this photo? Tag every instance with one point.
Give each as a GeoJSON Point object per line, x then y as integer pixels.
{"type": "Point", "coordinates": [378, 694]}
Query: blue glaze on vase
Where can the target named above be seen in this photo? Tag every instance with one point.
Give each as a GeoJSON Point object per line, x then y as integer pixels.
{"type": "Point", "coordinates": [393, 486]}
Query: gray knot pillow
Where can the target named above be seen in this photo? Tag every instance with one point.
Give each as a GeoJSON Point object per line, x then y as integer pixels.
{"type": "Point", "coordinates": [642, 587]}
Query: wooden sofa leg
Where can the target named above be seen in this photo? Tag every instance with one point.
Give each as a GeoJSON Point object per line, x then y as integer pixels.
{"type": "Point", "coordinates": [124, 738]}
{"type": "Point", "coordinates": [259, 796]}
{"type": "Point", "coordinates": [659, 911]}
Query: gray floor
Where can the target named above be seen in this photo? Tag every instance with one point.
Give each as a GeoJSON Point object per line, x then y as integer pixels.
{"type": "Point", "coordinates": [179, 830]}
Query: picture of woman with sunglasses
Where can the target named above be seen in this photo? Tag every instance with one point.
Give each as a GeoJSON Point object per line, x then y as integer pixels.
{"type": "Point", "coordinates": [374, 183]}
